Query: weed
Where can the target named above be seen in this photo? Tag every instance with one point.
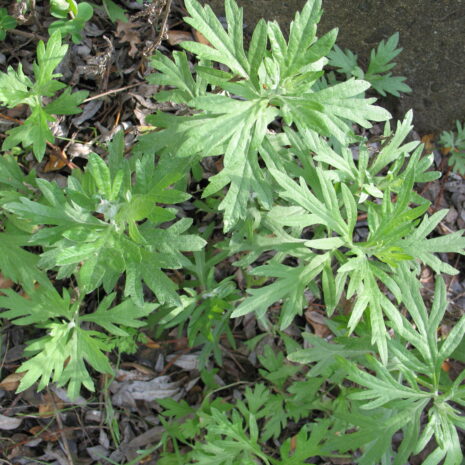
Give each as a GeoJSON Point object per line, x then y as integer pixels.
{"type": "Point", "coordinates": [294, 183]}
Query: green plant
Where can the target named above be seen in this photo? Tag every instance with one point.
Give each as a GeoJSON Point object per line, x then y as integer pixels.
{"type": "Point", "coordinates": [233, 118]}
{"type": "Point", "coordinates": [92, 231]}
{"type": "Point", "coordinates": [206, 305]}
{"type": "Point", "coordinates": [114, 11]}
{"type": "Point", "coordinates": [16, 263]}
{"type": "Point", "coordinates": [104, 224]}
{"type": "Point", "coordinates": [222, 433]}
{"type": "Point", "coordinates": [16, 88]}
{"type": "Point", "coordinates": [314, 215]}
{"type": "Point", "coordinates": [377, 73]}
{"type": "Point", "coordinates": [307, 228]}
{"type": "Point", "coordinates": [411, 385]}
{"type": "Point", "coordinates": [261, 85]}
{"type": "Point", "coordinates": [80, 13]}
{"type": "Point", "coordinates": [330, 201]}
{"type": "Point", "coordinates": [234, 439]}
{"type": "Point", "coordinates": [60, 355]}
{"type": "Point", "coordinates": [398, 396]}
{"type": "Point", "coordinates": [456, 143]}
{"type": "Point", "coordinates": [6, 22]}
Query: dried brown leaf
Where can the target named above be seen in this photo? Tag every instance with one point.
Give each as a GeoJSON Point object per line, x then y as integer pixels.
{"type": "Point", "coordinates": [11, 382]}
{"type": "Point", "coordinates": [46, 435]}
{"type": "Point", "coordinates": [140, 368]}
{"type": "Point", "coordinates": [5, 283]}
{"type": "Point", "coordinates": [187, 362]}
{"type": "Point", "coordinates": [175, 37]}
{"type": "Point", "coordinates": [317, 321]}
{"type": "Point", "coordinates": [126, 33]}
{"type": "Point", "coordinates": [199, 37]}
{"type": "Point", "coordinates": [54, 163]}
{"type": "Point", "coordinates": [49, 405]}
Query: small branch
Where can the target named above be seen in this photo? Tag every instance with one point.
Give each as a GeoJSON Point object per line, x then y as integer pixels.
{"type": "Point", "coordinates": [112, 91]}
{"type": "Point", "coordinates": [29, 35]}
{"type": "Point", "coordinates": [9, 118]}
{"type": "Point", "coordinates": [148, 51]}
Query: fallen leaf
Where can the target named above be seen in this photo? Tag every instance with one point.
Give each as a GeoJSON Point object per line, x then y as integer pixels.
{"type": "Point", "coordinates": [133, 375]}
{"type": "Point", "coordinates": [54, 163]}
{"type": "Point", "coordinates": [140, 368]}
{"type": "Point", "coordinates": [18, 112]}
{"type": "Point", "coordinates": [428, 139]}
{"type": "Point", "coordinates": [8, 423]}
{"type": "Point", "coordinates": [11, 382]}
{"type": "Point", "coordinates": [89, 110]}
{"type": "Point", "coordinates": [175, 37]}
{"type": "Point", "coordinates": [93, 415]}
{"type": "Point", "coordinates": [293, 444]}
{"type": "Point", "coordinates": [46, 435]}
{"type": "Point", "coordinates": [151, 344]}
{"type": "Point", "coordinates": [49, 405]}
{"type": "Point", "coordinates": [199, 37]}
{"type": "Point", "coordinates": [186, 361]}
{"type": "Point", "coordinates": [127, 392]}
{"type": "Point", "coordinates": [318, 322]}
{"type": "Point", "coordinates": [17, 449]}
{"type": "Point", "coordinates": [97, 452]}
{"type": "Point", "coordinates": [151, 436]}
{"type": "Point", "coordinates": [126, 33]}
{"type": "Point", "coordinates": [448, 150]}
{"type": "Point", "coordinates": [5, 283]}
{"type": "Point", "coordinates": [79, 150]}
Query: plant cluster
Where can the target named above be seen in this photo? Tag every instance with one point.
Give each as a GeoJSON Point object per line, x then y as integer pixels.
{"type": "Point", "coordinates": [454, 142]}
{"type": "Point", "coordinates": [16, 88]}
{"type": "Point", "coordinates": [311, 211]}
{"type": "Point", "coordinates": [72, 16]}
{"type": "Point", "coordinates": [378, 71]}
